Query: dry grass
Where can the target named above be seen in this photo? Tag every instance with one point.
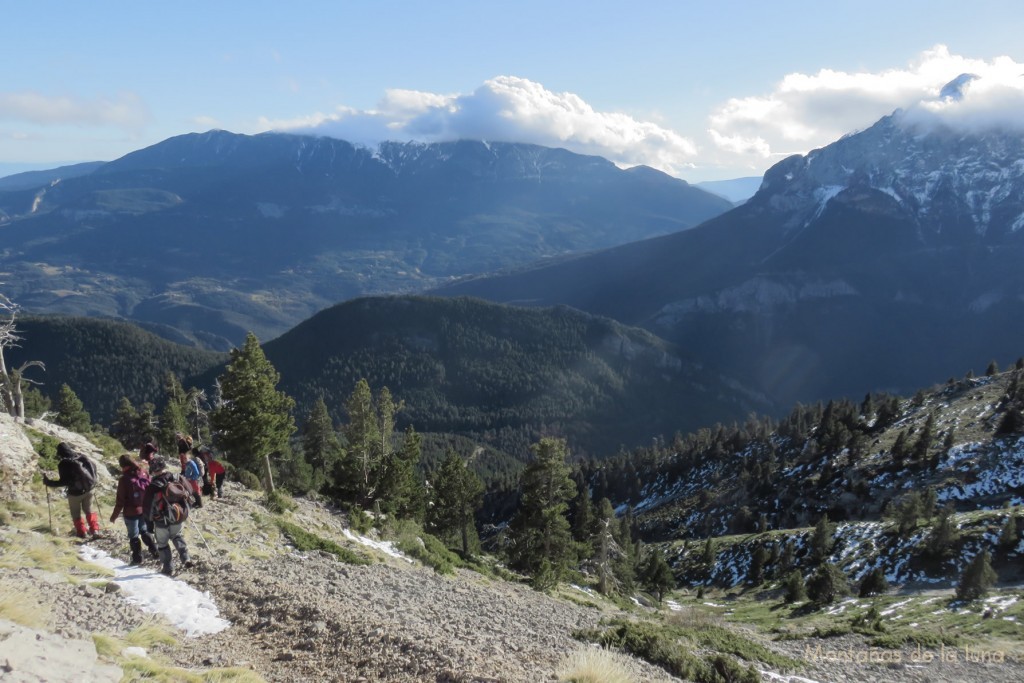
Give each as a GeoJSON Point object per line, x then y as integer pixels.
{"type": "Point", "coordinates": [594, 665]}
{"type": "Point", "coordinates": [20, 606]}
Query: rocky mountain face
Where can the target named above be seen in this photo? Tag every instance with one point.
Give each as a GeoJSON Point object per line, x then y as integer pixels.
{"type": "Point", "coordinates": [216, 234]}
{"type": "Point", "coordinates": [887, 260]}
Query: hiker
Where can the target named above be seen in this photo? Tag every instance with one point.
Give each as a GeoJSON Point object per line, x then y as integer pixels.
{"type": "Point", "coordinates": [146, 452]}
{"type": "Point", "coordinates": [165, 506]}
{"type": "Point", "coordinates": [184, 446]}
{"type": "Point", "coordinates": [78, 474]}
{"type": "Point", "coordinates": [193, 472]}
{"type": "Point", "coordinates": [215, 469]}
{"type": "Point", "coordinates": [131, 491]}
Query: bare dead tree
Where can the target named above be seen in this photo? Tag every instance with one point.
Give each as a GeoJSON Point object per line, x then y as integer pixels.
{"type": "Point", "coordinates": [11, 381]}
{"type": "Point", "coordinates": [8, 337]}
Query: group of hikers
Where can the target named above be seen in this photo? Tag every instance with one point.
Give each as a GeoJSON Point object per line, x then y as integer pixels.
{"type": "Point", "coordinates": [153, 500]}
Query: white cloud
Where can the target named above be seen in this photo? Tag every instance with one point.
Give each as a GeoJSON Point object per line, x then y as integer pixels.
{"type": "Point", "coordinates": [126, 110]}
{"type": "Point", "coordinates": [806, 111]}
{"type": "Point", "coordinates": [743, 136]}
{"type": "Point", "coordinates": [508, 109]}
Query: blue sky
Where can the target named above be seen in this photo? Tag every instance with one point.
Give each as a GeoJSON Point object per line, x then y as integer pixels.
{"type": "Point", "coordinates": [704, 90]}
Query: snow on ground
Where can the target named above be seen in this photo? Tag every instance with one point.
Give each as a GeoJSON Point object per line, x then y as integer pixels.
{"type": "Point", "coordinates": [185, 607]}
{"type": "Point", "coordinates": [674, 606]}
{"type": "Point", "coordinates": [893, 608]}
{"type": "Point", "coordinates": [782, 678]}
{"type": "Point", "coordinates": [386, 547]}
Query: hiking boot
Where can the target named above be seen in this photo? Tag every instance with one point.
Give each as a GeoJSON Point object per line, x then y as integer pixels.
{"type": "Point", "coordinates": [166, 571]}
{"type": "Point", "coordinates": [80, 528]}
{"type": "Point", "coordinates": [189, 564]}
{"type": "Point", "coordinates": [136, 546]}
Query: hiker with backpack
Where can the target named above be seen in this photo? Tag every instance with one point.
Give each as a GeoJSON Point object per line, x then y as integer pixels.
{"type": "Point", "coordinates": [131, 491]}
{"type": "Point", "coordinates": [193, 472]}
{"type": "Point", "coordinates": [215, 470]}
{"type": "Point", "coordinates": [165, 507]}
{"type": "Point", "coordinates": [77, 474]}
{"type": "Point", "coordinates": [184, 446]}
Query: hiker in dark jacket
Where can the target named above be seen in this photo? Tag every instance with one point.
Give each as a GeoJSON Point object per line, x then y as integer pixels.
{"type": "Point", "coordinates": [153, 504]}
{"type": "Point", "coordinates": [80, 495]}
{"type": "Point", "coordinates": [131, 489]}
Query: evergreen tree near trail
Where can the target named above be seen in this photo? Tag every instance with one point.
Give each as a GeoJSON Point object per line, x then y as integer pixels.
{"type": "Point", "coordinates": [320, 445]}
{"type": "Point", "coordinates": [71, 413]}
{"type": "Point", "coordinates": [540, 536]}
{"type": "Point", "coordinates": [457, 494]}
{"type": "Point", "coordinates": [253, 420]}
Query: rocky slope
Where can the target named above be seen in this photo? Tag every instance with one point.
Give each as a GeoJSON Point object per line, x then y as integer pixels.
{"type": "Point", "coordinates": [294, 616]}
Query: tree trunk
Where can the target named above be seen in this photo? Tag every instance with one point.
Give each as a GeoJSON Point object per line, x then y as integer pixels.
{"type": "Point", "coordinates": [268, 474]}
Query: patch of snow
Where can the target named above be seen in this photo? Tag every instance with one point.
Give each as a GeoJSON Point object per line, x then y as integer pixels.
{"type": "Point", "coordinates": [193, 612]}
{"type": "Point", "coordinates": [893, 608]}
{"type": "Point", "coordinates": [386, 547]}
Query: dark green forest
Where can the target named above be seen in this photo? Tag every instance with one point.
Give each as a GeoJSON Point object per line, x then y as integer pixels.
{"type": "Point", "coordinates": [103, 361]}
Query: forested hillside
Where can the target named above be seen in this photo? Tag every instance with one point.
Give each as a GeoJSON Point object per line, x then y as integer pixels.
{"type": "Point", "coordinates": [103, 361]}
{"type": "Point", "coordinates": [506, 375]}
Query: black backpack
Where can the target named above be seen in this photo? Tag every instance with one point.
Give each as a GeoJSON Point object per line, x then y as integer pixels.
{"type": "Point", "coordinates": [83, 472]}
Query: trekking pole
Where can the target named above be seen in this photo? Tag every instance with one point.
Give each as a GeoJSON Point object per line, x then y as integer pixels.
{"type": "Point", "coordinates": [201, 537]}
{"type": "Point", "coordinates": [49, 509]}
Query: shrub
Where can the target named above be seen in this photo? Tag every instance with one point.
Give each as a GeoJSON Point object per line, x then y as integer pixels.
{"type": "Point", "coordinates": [594, 665]}
{"type": "Point", "coordinates": [306, 541]}
{"type": "Point", "coordinates": [248, 480]}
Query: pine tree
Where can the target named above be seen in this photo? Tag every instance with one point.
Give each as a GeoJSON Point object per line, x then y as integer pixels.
{"type": "Point", "coordinates": [604, 546]}
{"type": "Point", "coordinates": [707, 557]}
{"type": "Point", "coordinates": [977, 578]}
{"type": "Point", "coordinates": [70, 411]}
{"type": "Point", "coordinates": [826, 584]}
{"type": "Point", "coordinates": [125, 425]}
{"type": "Point", "coordinates": [174, 418]}
{"type": "Point", "coordinates": [822, 539]}
{"type": "Point", "coordinates": [1008, 534]}
{"type": "Point", "coordinates": [796, 590]}
{"type": "Point", "coordinates": [457, 494]}
{"type": "Point", "coordinates": [758, 561]}
{"type": "Point", "coordinates": [254, 420]}
{"type": "Point", "coordinates": [924, 440]}
{"type": "Point", "coordinates": [541, 542]}
{"type": "Point", "coordinates": [874, 583]}
{"type": "Point", "coordinates": [362, 440]}
{"type": "Point", "coordinates": [656, 575]}
{"type": "Point", "coordinates": [399, 489]}
{"type": "Point", "coordinates": [992, 369]}
{"type": "Point", "coordinates": [943, 536]}
{"type": "Point", "coordinates": [320, 445]}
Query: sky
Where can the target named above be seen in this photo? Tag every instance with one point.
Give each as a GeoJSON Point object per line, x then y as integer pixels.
{"type": "Point", "coordinates": [701, 90]}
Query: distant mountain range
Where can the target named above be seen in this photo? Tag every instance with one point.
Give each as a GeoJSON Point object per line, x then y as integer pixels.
{"type": "Point", "coordinates": [216, 234]}
{"type": "Point", "coordinates": [887, 260]}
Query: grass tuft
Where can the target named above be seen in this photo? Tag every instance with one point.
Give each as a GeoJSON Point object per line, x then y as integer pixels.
{"type": "Point", "coordinates": [594, 665]}
{"type": "Point", "coordinates": [306, 541]}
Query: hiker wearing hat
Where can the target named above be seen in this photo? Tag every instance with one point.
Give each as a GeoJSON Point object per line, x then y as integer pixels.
{"type": "Point", "coordinates": [165, 507]}
{"type": "Point", "coordinates": [77, 474]}
{"type": "Point", "coordinates": [131, 491]}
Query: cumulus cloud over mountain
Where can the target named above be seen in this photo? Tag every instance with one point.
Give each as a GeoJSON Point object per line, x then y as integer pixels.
{"type": "Point", "coordinates": [802, 112]}
{"type": "Point", "coordinates": [511, 109]}
{"type": "Point", "coordinates": [806, 111]}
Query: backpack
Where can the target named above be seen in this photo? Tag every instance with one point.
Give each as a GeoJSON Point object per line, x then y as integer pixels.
{"type": "Point", "coordinates": [173, 501]}
{"type": "Point", "coordinates": [137, 485]}
{"type": "Point", "coordinates": [83, 472]}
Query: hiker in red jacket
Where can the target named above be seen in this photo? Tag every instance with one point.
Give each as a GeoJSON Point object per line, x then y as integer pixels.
{"type": "Point", "coordinates": [214, 468]}
{"type": "Point", "coordinates": [131, 489]}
